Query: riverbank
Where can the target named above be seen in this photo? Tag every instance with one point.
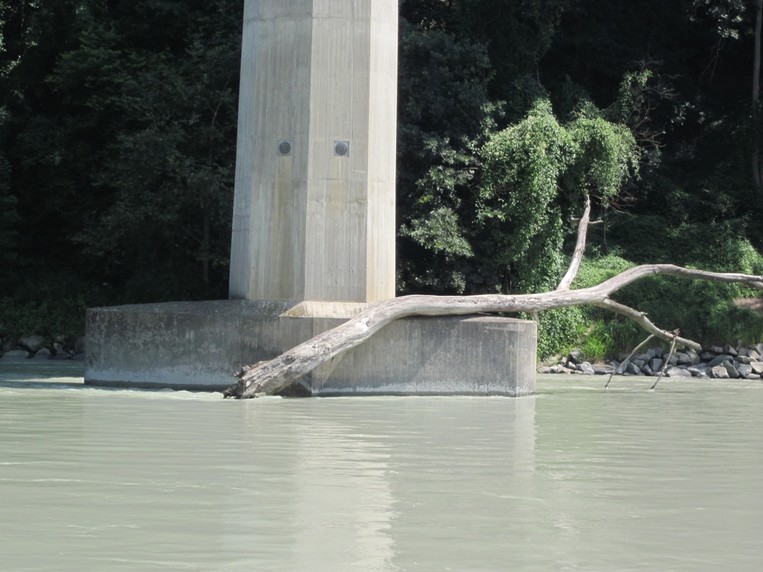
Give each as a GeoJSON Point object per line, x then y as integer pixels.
{"type": "Point", "coordinates": [715, 362]}
{"type": "Point", "coordinates": [40, 348]}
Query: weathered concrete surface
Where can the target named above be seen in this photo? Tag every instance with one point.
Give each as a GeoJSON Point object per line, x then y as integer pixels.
{"type": "Point", "coordinates": [312, 221]}
{"type": "Point", "coordinates": [199, 345]}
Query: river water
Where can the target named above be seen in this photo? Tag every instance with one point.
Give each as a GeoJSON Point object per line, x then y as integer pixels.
{"type": "Point", "coordinates": [574, 478]}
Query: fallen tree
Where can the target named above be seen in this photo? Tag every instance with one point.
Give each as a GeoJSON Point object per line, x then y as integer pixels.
{"type": "Point", "coordinates": [275, 375]}
{"type": "Point", "coordinates": [270, 377]}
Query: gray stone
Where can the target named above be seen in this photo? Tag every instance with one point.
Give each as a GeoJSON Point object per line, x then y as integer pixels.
{"type": "Point", "coordinates": [42, 353]}
{"type": "Point", "coordinates": [753, 376]}
{"type": "Point", "coordinates": [656, 364]}
{"type": "Point", "coordinates": [586, 368]}
{"type": "Point", "coordinates": [719, 372]}
{"type": "Point", "coordinates": [743, 359]}
{"type": "Point", "coordinates": [744, 370]}
{"type": "Point", "coordinates": [603, 368]}
{"type": "Point", "coordinates": [658, 352]}
{"type": "Point", "coordinates": [700, 368]}
{"type": "Point", "coordinates": [707, 356]}
{"type": "Point", "coordinates": [716, 349]}
{"type": "Point", "coordinates": [717, 360]}
{"type": "Point", "coordinates": [753, 355]}
{"type": "Point", "coordinates": [32, 343]}
{"type": "Point", "coordinates": [650, 354]}
{"type": "Point", "coordinates": [646, 370]}
{"type": "Point", "coordinates": [575, 357]}
{"type": "Point", "coordinates": [633, 369]}
{"type": "Point", "coordinates": [730, 350]}
{"type": "Point", "coordinates": [701, 374]}
{"type": "Point", "coordinates": [638, 362]}
{"type": "Point", "coordinates": [673, 360]}
{"type": "Point", "coordinates": [15, 355]}
{"type": "Point", "coordinates": [732, 371]}
{"type": "Point", "coordinates": [683, 358]}
{"type": "Point", "coordinates": [742, 351]}
{"type": "Point", "coordinates": [693, 357]}
{"type": "Point", "coordinates": [757, 367]}
{"type": "Point", "coordinates": [675, 371]}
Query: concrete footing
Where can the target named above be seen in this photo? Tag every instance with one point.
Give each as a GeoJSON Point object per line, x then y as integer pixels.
{"type": "Point", "coordinates": [200, 345]}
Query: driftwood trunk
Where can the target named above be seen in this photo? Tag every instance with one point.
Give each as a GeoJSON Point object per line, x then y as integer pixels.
{"type": "Point", "coordinates": [269, 377]}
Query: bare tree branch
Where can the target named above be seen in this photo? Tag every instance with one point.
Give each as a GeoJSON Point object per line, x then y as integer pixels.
{"type": "Point", "coordinates": [577, 255]}
{"type": "Point", "coordinates": [272, 376]}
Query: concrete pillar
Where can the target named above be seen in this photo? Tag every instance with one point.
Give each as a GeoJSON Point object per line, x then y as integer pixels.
{"type": "Point", "coordinates": [314, 206]}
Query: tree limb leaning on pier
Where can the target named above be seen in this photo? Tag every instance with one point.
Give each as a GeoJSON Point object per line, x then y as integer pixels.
{"type": "Point", "coordinates": [272, 376]}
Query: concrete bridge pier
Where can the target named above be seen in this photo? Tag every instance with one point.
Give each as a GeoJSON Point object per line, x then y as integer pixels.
{"type": "Point", "coordinates": [313, 235]}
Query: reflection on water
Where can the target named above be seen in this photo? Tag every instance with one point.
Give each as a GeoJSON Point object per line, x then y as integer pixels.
{"type": "Point", "coordinates": [575, 478]}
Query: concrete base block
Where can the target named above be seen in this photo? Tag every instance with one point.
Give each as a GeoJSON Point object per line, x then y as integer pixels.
{"type": "Point", "coordinates": [200, 345]}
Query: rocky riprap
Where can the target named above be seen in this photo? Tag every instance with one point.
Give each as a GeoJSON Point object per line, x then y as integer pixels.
{"type": "Point", "coordinates": [728, 362]}
{"type": "Point", "coordinates": [39, 348]}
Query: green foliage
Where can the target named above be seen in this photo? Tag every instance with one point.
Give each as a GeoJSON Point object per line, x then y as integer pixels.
{"type": "Point", "coordinates": [122, 151]}
{"type": "Point", "coordinates": [559, 330]}
{"type": "Point", "coordinates": [445, 115]}
{"type": "Point", "coordinates": [595, 270]}
{"type": "Point", "coordinates": [532, 172]}
{"type": "Point", "coordinates": [703, 310]}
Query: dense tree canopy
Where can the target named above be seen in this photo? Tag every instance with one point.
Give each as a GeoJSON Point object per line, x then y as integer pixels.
{"type": "Point", "coordinates": [117, 137]}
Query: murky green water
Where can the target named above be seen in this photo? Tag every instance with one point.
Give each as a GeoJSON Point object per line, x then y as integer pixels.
{"type": "Point", "coordinates": [575, 478]}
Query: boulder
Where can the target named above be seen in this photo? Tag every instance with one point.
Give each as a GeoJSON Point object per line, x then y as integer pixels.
{"type": "Point", "coordinates": [586, 368]}
{"type": "Point", "coordinates": [603, 368]}
{"type": "Point", "coordinates": [693, 357]}
{"type": "Point", "coordinates": [15, 355]}
{"type": "Point", "coordinates": [32, 343]}
{"type": "Point", "coordinates": [757, 367]}
{"type": "Point", "coordinates": [675, 371]}
{"type": "Point", "coordinates": [730, 350]}
{"type": "Point", "coordinates": [744, 370]}
{"type": "Point", "coordinates": [718, 360]}
{"type": "Point", "coordinates": [707, 355]}
{"type": "Point", "coordinates": [753, 355]}
{"type": "Point", "coordinates": [732, 371]}
{"type": "Point", "coordinates": [716, 349]}
{"type": "Point", "coordinates": [42, 353]}
{"type": "Point", "coordinates": [743, 359]}
{"type": "Point", "coordinates": [699, 370]}
{"type": "Point", "coordinates": [656, 364]}
{"type": "Point", "coordinates": [682, 358]}
{"type": "Point", "coordinates": [646, 370]}
{"type": "Point", "coordinates": [719, 372]}
{"type": "Point", "coordinates": [633, 369]}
